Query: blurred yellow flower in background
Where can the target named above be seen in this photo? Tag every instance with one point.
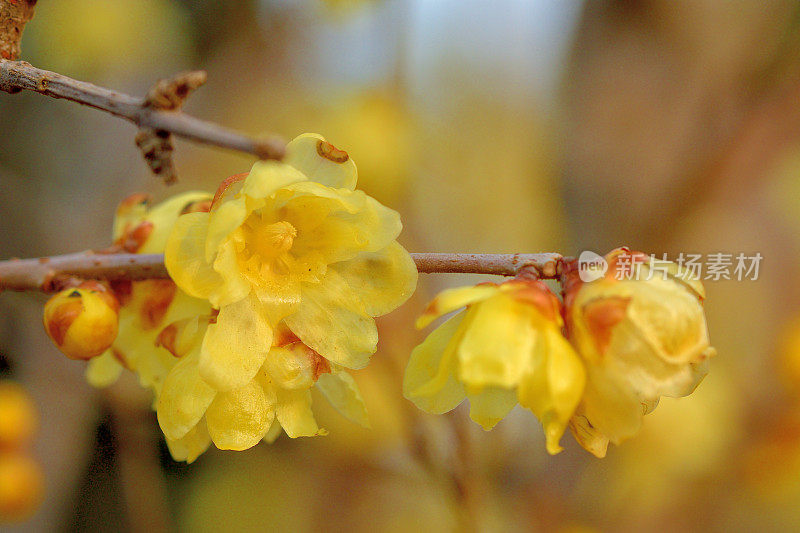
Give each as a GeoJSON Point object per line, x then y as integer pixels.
{"type": "Point", "coordinates": [641, 337]}
{"type": "Point", "coordinates": [505, 347]}
{"type": "Point", "coordinates": [291, 241]}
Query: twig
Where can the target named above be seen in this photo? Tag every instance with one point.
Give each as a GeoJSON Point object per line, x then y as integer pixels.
{"type": "Point", "coordinates": [45, 273]}
{"type": "Point", "coordinates": [14, 14]}
{"type": "Point", "coordinates": [16, 76]}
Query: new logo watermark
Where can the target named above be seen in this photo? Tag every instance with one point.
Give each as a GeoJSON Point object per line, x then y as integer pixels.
{"type": "Point", "coordinates": [709, 267]}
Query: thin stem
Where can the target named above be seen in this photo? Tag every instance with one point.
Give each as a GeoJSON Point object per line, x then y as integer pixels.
{"type": "Point", "coordinates": [46, 273]}
{"type": "Point", "coordinates": [19, 75]}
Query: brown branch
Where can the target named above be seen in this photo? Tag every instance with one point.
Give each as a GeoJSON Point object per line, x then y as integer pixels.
{"type": "Point", "coordinates": [14, 14]}
{"type": "Point", "coordinates": [48, 273]}
{"type": "Point", "coordinates": [144, 112]}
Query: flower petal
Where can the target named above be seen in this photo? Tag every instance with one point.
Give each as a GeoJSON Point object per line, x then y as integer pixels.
{"type": "Point", "coordinates": [295, 415]}
{"type": "Point", "coordinates": [274, 432]}
{"type": "Point", "coordinates": [342, 392]}
{"type": "Point", "coordinates": [430, 380]}
{"type": "Point", "coordinates": [383, 280]}
{"type": "Point", "coordinates": [103, 370]}
{"type": "Point", "coordinates": [332, 321]}
{"type": "Point", "coordinates": [184, 398]}
{"type": "Point", "coordinates": [184, 256]}
{"type": "Point", "coordinates": [223, 221]}
{"type": "Point", "coordinates": [239, 419]}
{"type": "Point", "coordinates": [235, 347]}
{"type": "Point", "coordinates": [491, 405]}
{"type": "Point", "coordinates": [320, 161]}
{"type": "Point", "coordinates": [192, 445]}
{"type": "Point", "coordinates": [163, 217]}
{"type": "Point", "coordinates": [266, 177]}
{"type": "Point", "coordinates": [496, 348]}
{"type": "Point", "coordinates": [234, 286]}
{"type": "Point", "coordinates": [449, 300]}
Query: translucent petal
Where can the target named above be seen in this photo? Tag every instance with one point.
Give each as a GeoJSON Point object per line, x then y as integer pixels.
{"type": "Point", "coordinates": [294, 413]}
{"type": "Point", "coordinates": [496, 348]}
{"type": "Point", "coordinates": [588, 436]}
{"type": "Point", "coordinates": [449, 300]}
{"type": "Point", "coordinates": [274, 432]}
{"type": "Point", "coordinates": [192, 445]}
{"type": "Point", "coordinates": [239, 419]}
{"type": "Point", "coordinates": [234, 286]}
{"type": "Point", "coordinates": [266, 177]}
{"type": "Point", "coordinates": [184, 398]}
{"type": "Point", "coordinates": [491, 405]}
{"type": "Point", "coordinates": [235, 347]}
{"type": "Point", "coordinates": [163, 217]}
{"type": "Point", "coordinates": [321, 162]}
{"type": "Point", "coordinates": [221, 223]}
{"type": "Point", "coordinates": [103, 370]}
{"type": "Point", "coordinates": [332, 321]}
{"type": "Point", "coordinates": [430, 380]}
{"type": "Point", "coordinates": [184, 256]}
{"type": "Point", "coordinates": [383, 280]}
{"type": "Point", "coordinates": [342, 392]}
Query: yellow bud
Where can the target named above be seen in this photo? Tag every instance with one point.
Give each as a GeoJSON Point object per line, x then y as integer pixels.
{"type": "Point", "coordinates": [21, 487]}
{"type": "Point", "coordinates": [82, 322]}
{"type": "Point", "coordinates": [19, 419]}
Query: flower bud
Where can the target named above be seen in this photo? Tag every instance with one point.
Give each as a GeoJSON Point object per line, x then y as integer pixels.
{"type": "Point", "coordinates": [21, 487]}
{"type": "Point", "coordinates": [82, 322]}
{"type": "Point", "coordinates": [19, 419]}
{"type": "Point", "coordinates": [641, 336]}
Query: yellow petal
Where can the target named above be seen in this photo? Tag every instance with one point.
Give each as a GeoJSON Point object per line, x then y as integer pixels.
{"type": "Point", "coordinates": [320, 161]}
{"type": "Point", "coordinates": [290, 367]}
{"type": "Point", "coordinates": [234, 286]}
{"type": "Point", "coordinates": [184, 256]}
{"type": "Point", "coordinates": [491, 405]}
{"type": "Point", "coordinates": [383, 280]}
{"type": "Point", "coordinates": [496, 348]}
{"type": "Point", "coordinates": [430, 380]}
{"type": "Point", "coordinates": [333, 322]}
{"type": "Point", "coordinates": [192, 445]}
{"type": "Point", "coordinates": [588, 436]}
{"type": "Point", "coordinates": [266, 177]}
{"type": "Point", "coordinates": [611, 407]}
{"type": "Point", "coordinates": [342, 392]}
{"type": "Point", "coordinates": [163, 217]}
{"type": "Point", "coordinates": [184, 398]}
{"type": "Point", "coordinates": [103, 370]}
{"type": "Point", "coordinates": [274, 432]}
{"type": "Point", "coordinates": [239, 419]}
{"type": "Point", "coordinates": [354, 222]}
{"type": "Point", "coordinates": [222, 221]}
{"type": "Point", "coordinates": [294, 413]}
{"type": "Point", "coordinates": [235, 347]}
{"type": "Point", "coordinates": [449, 300]}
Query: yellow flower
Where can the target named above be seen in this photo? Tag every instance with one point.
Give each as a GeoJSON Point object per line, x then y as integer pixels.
{"type": "Point", "coordinates": [192, 414]}
{"type": "Point", "coordinates": [640, 339]}
{"type": "Point", "coordinates": [506, 347]}
{"type": "Point", "coordinates": [146, 306]}
{"type": "Point", "coordinates": [291, 241]}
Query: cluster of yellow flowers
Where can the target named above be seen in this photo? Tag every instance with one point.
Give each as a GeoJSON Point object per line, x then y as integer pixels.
{"type": "Point", "coordinates": [275, 281]}
{"type": "Point", "coordinates": [628, 342]}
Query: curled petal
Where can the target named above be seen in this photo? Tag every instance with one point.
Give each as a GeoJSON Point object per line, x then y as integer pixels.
{"type": "Point", "coordinates": [184, 256]}
{"type": "Point", "coordinates": [491, 405]}
{"type": "Point", "coordinates": [295, 415]}
{"type": "Point", "coordinates": [342, 392]}
{"type": "Point", "coordinates": [449, 300]}
{"type": "Point", "coordinates": [320, 161]}
{"type": "Point", "coordinates": [222, 222]}
{"type": "Point", "coordinates": [332, 321]}
{"type": "Point", "coordinates": [430, 380]}
{"type": "Point", "coordinates": [234, 286]}
{"type": "Point", "coordinates": [235, 347]}
{"type": "Point", "coordinates": [239, 419]}
{"type": "Point", "coordinates": [383, 280]}
{"type": "Point", "coordinates": [184, 398]}
{"type": "Point", "coordinates": [192, 445]}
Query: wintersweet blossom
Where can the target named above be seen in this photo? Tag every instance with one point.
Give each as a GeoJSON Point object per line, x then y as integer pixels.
{"type": "Point", "coordinates": [505, 347]}
{"type": "Point", "coordinates": [193, 414]}
{"type": "Point", "coordinates": [641, 337]}
{"type": "Point", "coordinates": [291, 241]}
{"type": "Point", "coordinates": [146, 306]}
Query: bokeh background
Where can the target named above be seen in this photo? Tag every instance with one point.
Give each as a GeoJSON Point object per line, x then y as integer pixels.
{"type": "Point", "coordinates": [503, 126]}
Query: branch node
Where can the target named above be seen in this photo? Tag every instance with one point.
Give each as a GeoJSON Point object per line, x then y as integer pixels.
{"type": "Point", "coordinates": [171, 93]}
{"type": "Point", "coordinates": [157, 148]}
{"type": "Point", "coordinates": [14, 14]}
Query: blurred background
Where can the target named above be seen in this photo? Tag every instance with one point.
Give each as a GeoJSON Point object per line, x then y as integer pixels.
{"type": "Point", "coordinates": [504, 126]}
